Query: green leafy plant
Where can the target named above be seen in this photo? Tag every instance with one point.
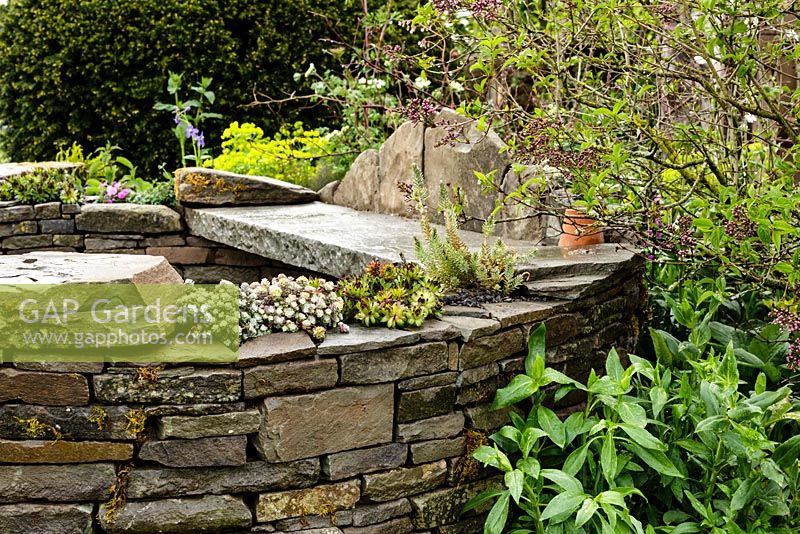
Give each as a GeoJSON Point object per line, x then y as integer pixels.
{"type": "Point", "coordinates": [395, 296]}
{"type": "Point", "coordinates": [449, 260]}
{"type": "Point", "coordinates": [162, 193]}
{"type": "Point", "coordinates": [42, 185]}
{"type": "Point", "coordinates": [656, 449]}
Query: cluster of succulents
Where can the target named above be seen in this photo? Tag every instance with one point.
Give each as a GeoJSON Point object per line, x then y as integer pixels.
{"type": "Point", "coordinates": [396, 296]}
{"type": "Point", "coordinates": [286, 304]}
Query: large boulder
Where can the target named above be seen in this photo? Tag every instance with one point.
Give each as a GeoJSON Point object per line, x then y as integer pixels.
{"type": "Point", "coordinates": [209, 187]}
{"type": "Point", "coordinates": [398, 155]}
{"type": "Point", "coordinates": [359, 188]}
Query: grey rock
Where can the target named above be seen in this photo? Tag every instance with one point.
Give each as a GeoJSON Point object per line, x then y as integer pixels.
{"type": "Point", "coordinates": [68, 240]}
{"type": "Point", "coordinates": [488, 349]}
{"type": "Point", "coordinates": [378, 513]}
{"type": "Point", "coordinates": [359, 187]}
{"type": "Point", "coordinates": [210, 187]}
{"type": "Point", "coordinates": [183, 385]}
{"type": "Point", "coordinates": [422, 382]}
{"type": "Point", "coordinates": [92, 243]}
{"type": "Point", "coordinates": [319, 500]}
{"type": "Point", "coordinates": [164, 241]}
{"type": "Point", "coordinates": [470, 524]}
{"type": "Point", "coordinates": [523, 222]}
{"type": "Point", "coordinates": [401, 525]}
{"type": "Point", "coordinates": [70, 209]}
{"type": "Point", "coordinates": [311, 235]}
{"type": "Point", "coordinates": [430, 451]}
{"type": "Point", "coordinates": [442, 507]}
{"type": "Point", "coordinates": [444, 426]}
{"type": "Point", "coordinates": [48, 210]}
{"type": "Point", "coordinates": [61, 367]}
{"type": "Point", "coordinates": [16, 213]}
{"type": "Point", "coordinates": [602, 259]}
{"type": "Point", "coordinates": [149, 483]}
{"type": "Point", "coordinates": [316, 524]}
{"type": "Point", "coordinates": [361, 339]}
{"type": "Point", "coordinates": [523, 312]}
{"type": "Point", "coordinates": [73, 421]}
{"type": "Point", "coordinates": [398, 155]}
{"type": "Point", "coordinates": [210, 513]}
{"type": "Point", "coordinates": [403, 482]}
{"type": "Point", "coordinates": [19, 228]}
{"type": "Point", "coordinates": [303, 426]}
{"type": "Point", "coordinates": [50, 389]}
{"type": "Point", "coordinates": [56, 483]}
{"type": "Point", "coordinates": [212, 274]}
{"type": "Point", "coordinates": [201, 426]}
{"type": "Point", "coordinates": [484, 418]}
{"type": "Point", "coordinates": [425, 403]}
{"type": "Point", "coordinates": [394, 363]}
{"type": "Point", "coordinates": [483, 391]}
{"type": "Point", "coordinates": [274, 348]}
{"type": "Point", "coordinates": [351, 463]}
{"type": "Point", "coordinates": [57, 226]}
{"type": "Point", "coordinates": [48, 518]}
{"type": "Point", "coordinates": [478, 374]}
{"type": "Point", "coordinates": [192, 409]}
{"type": "Point", "coordinates": [472, 327]}
{"type": "Point", "coordinates": [27, 241]}
{"type": "Point", "coordinates": [203, 452]}
{"type": "Point", "coordinates": [565, 288]}
{"type": "Point", "coordinates": [290, 377]}
{"type": "Point", "coordinates": [328, 191]}
{"type": "Point", "coordinates": [61, 267]}
{"type": "Point", "coordinates": [131, 218]}
{"type": "Point", "coordinates": [436, 330]}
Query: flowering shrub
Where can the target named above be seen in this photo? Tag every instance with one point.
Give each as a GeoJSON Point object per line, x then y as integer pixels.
{"type": "Point", "coordinates": [286, 304]}
{"type": "Point", "coordinates": [293, 155]}
{"type": "Point", "coordinates": [396, 296]}
{"type": "Point", "coordinates": [113, 192]}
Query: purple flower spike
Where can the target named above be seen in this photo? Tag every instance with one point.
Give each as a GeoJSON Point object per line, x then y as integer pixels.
{"type": "Point", "coordinates": [191, 131]}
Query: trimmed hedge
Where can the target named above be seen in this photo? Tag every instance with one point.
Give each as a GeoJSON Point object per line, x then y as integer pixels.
{"type": "Point", "coordinates": [91, 70]}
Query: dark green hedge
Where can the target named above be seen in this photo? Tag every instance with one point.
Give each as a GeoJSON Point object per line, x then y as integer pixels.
{"type": "Point", "coordinates": [91, 70]}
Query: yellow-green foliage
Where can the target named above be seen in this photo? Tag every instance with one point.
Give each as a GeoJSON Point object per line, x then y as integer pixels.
{"type": "Point", "coordinates": [34, 428]}
{"type": "Point", "coordinates": [448, 259]}
{"type": "Point", "coordinates": [291, 155]}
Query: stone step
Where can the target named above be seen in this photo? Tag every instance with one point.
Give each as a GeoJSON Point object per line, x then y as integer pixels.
{"type": "Point", "coordinates": [339, 241]}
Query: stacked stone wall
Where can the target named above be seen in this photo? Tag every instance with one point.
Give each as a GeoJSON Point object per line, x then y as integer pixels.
{"type": "Point", "coordinates": [368, 432]}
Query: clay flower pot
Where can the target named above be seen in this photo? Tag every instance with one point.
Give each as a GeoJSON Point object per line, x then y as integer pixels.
{"type": "Point", "coordinates": [579, 229]}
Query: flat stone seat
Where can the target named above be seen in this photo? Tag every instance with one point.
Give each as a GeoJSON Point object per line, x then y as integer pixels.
{"type": "Point", "coordinates": [339, 241]}
{"type": "Point", "coordinates": [63, 267]}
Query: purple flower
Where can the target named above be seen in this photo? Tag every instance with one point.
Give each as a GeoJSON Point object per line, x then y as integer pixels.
{"type": "Point", "coordinates": [177, 118]}
{"type": "Point", "coordinates": [112, 189]}
{"type": "Point", "coordinates": [191, 131]}
{"type": "Point", "coordinates": [122, 194]}
{"type": "Point", "coordinates": [200, 140]}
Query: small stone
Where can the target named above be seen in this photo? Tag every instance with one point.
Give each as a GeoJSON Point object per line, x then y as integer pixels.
{"type": "Point", "coordinates": [422, 382]}
{"type": "Point", "coordinates": [319, 500]}
{"type": "Point", "coordinates": [444, 426]}
{"type": "Point", "coordinates": [181, 255]}
{"type": "Point", "coordinates": [68, 240]}
{"type": "Point", "coordinates": [404, 481]}
{"type": "Point", "coordinates": [473, 327]}
{"type": "Point", "coordinates": [489, 349]}
{"type": "Point", "coordinates": [57, 226]}
{"type": "Point", "coordinates": [27, 241]}
{"type": "Point", "coordinates": [220, 451]}
{"type": "Point", "coordinates": [361, 339]}
{"type": "Point", "coordinates": [436, 330]}
{"type": "Point", "coordinates": [227, 424]}
{"type": "Point", "coordinates": [193, 409]}
{"type": "Point", "coordinates": [16, 213]}
{"type": "Point", "coordinates": [210, 513]}
{"type": "Point", "coordinates": [442, 507]}
{"type": "Point", "coordinates": [50, 389]}
{"type": "Point", "coordinates": [63, 452]}
{"type": "Point", "coordinates": [232, 256]}
{"type": "Point", "coordinates": [523, 312]}
{"type": "Point", "coordinates": [425, 403]}
{"type": "Point", "coordinates": [274, 348]}
{"type": "Point", "coordinates": [196, 185]}
{"type": "Point", "coordinates": [48, 210]}
{"type": "Point", "coordinates": [56, 483]}
{"type": "Point", "coordinates": [131, 218]}
{"type": "Point", "coordinates": [92, 243]}
{"type": "Point", "coordinates": [484, 418]}
{"type": "Point", "coordinates": [212, 274]}
{"type": "Point", "coordinates": [351, 463]}
{"type": "Point", "coordinates": [70, 209]}
{"type": "Point", "coordinates": [164, 241]}
{"type": "Point", "coordinates": [290, 377]}
{"type": "Point", "coordinates": [393, 364]}
{"type": "Point", "coordinates": [483, 391]}
{"type": "Point", "coordinates": [179, 386]}
{"type": "Point", "coordinates": [378, 513]}
{"type": "Point", "coordinates": [478, 374]}
{"type": "Point", "coordinates": [19, 228]}
{"type": "Point", "coordinates": [47, 518]}
{"type": "Point", "coordinates": [315, 524]}
{"type": "Point", "coordinates": [149, 483]}
{"type": "Point", "coordinates": [328, 191]}
{"type": "Point", "coordinates": [359, 187]}
{"type": "Point", "coordinates": [400, 525]}
{"type": "Point", "coordinates": [430, 451]}
{"type": "Point", "coordinates": [303, 426]}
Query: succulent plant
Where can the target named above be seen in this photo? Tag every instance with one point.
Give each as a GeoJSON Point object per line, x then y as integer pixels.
{"type": "Point", "coordinates": [396, 296]}
{"type": "Point", "coordinates": [286, 304]}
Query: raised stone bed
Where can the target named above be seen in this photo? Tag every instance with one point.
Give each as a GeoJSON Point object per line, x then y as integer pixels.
{"type": "Point", "coordinates": [365, 433]}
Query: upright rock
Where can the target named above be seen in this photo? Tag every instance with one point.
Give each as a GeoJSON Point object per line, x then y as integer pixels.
{"type": "Point", "coordinates": [359, 187]}
{"type": "Point", "coordinates": [398, 155]}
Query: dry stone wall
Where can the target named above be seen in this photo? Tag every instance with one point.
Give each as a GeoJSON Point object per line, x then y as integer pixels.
{"type": "Point", "coordinates": [368, 432]}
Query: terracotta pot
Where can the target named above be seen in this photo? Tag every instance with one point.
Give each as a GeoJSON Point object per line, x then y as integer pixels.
{"type": "Point", "coordinates": [578, 230]}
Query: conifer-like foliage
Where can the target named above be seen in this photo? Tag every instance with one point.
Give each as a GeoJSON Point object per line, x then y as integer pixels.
{"type": "Point", "coordinates": [449, 260]}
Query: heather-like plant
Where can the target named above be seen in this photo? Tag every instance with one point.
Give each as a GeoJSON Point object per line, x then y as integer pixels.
{"type": "Point", "coordinates": [449, 260]}
{"type": "Point", "coordinates": [286, 304]}
{"type": "Point", "coordinates": [658, 448]}
{"type": "Point", "coordinates": [396, 296]}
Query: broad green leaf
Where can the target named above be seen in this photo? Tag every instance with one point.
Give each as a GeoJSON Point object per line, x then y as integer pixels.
{"type": "Point", "coordinates": [655, 459]}
{"type": "Point", "coordinates": [562, 506]}
{"type": "Point", "coordinates": [534, 361]}
{"type": "Point", "coordinates": [642, 437]}
{"type": "Point", "coordinates": [529, 438]}
{"type": "Point", "coordinates": [564, 481]}
{"type": "Point", "coordinates": [632, 413]}
{"type": "Point", "coordinates": [729, 369]}
{"type": "Point", "coordinates": [658, 398]}
{"type": "Point", "coordinates": [529, 466]}
{"type": "Point", "coordinates": [696, 504]}
{"type": "Point", "coordinates": [514, 482]}
{"type": "Point", "coordinates": [520, 388]}
{"type": "Point", "coordinates": [786, 453]}
{"type": "Point", "coordinates": [551, 375]}
{"type": "Point", "coordinates": [743, 495]}
{"type": "Point", "coordinates": [550, 423]}
{"type": "Point", "coordinates": [761, 383]}
{"type": "Point", "coordinates": [613, 366]}
{"type": "Point", "coordinates": [496, 521]}
{"type": "Point", "coordinates": [574, 425]}
{"type": "Point", "coordinates": [492, 456]}
{"type": "Point", "coordinates": [663, 353]}
{"type": "Point", "coordinates": [482, 498]}
{"type": "Point", "coordinates": [608, 458]}
{"type": "Point", "coordinates": [586, 511]}
{"type": "Point", "coordinates": [576, 459]}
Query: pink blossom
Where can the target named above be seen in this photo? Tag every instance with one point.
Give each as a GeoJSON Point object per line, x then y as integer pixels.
{"type": "Point", "coordinates": [122, 194]}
